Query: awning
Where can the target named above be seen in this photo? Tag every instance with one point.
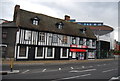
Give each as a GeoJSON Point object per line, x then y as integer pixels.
{"type": "Point", "coordinates": [78, 50]}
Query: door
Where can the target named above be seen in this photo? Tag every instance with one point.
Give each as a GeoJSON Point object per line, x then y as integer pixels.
{"type": "Point", "coordinates": [57, 53]}
{"type": "Point", "coordinates": [74, 55]}
{"type": "Point", "coordinates": [31, 53]}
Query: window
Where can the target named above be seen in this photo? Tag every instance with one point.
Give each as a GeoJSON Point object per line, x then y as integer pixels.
{"type": "Point", "coordinates": [59, 25]}
{"type": "Point", "coordinates": [40, 52]}
{"type": "Point", "coordinates": [64, 54]}
{"type": "Point", "coordinates": [49, 52]}
{"type": "Point", "coordinates": [27, 35]}
{"type": "Point", "coordinates": [22, 52]}
{"type": "Point", "coordinates": [73, 40]}
{"type": "Point", "coordinates": [93, 43]}
{"type": "Point", "coordinates": [88, 42]}
{"type": "Point", "coordinates": [42, 36]}
{"type": "Point", "coordinates": [54, 38]}
{"type": "Point", "coordinates": [4, 35]}
{"type": "Point", "coordinates": [83, 30]}
{"type": "Point", "coordinates": [35, 20]}
{"type": "Point", "coordinates": [81, 41]}
{"type": "Point", "coordinates": [64, 39]}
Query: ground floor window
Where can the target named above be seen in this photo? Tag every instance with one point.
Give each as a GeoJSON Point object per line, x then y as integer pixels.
{"type": "Point", "coordinates": [64, 52]}
{"type": "Point", "coordinates": [49, 52]}
{"type": "Point", "coordinates": [22, 52]}
{"type": "Point", "coordinates": [39, 51]}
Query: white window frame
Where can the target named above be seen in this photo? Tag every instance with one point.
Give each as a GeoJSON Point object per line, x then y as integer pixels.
{"type": "Point", "coordinates": [35, 22]}
{"type": "Point", "coordinates": [36, 49]}
{"type": "Point", "coordinates": [53, 52]}
{"type": "Point", "coordinates": [27, 34]}
{"type": "Point", "coordinates": [18, 54]}
{"type": "Point", "coordinates": [61, 53]}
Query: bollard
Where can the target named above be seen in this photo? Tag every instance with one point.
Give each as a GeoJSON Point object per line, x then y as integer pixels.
{"type": "Point", "coordinates": [11, 65]}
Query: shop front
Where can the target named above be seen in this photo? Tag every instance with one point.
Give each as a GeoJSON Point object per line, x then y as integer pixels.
{"type": "Point", "coordinates": [79, 54]}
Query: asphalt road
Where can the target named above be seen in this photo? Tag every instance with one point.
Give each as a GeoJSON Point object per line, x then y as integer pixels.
{"type": "Point", "coordinates": [66, 71]}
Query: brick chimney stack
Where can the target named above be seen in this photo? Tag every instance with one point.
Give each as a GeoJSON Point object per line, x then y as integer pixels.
{"type": "Point", "coordinates": [67, 18]}
{"type": "Point", "coordinates": [17, 7]}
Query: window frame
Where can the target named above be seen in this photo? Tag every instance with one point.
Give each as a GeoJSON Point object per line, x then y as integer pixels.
{"type": "Point", "coordinates": [28, 33]}
{"type": "Point", "coordinates": [41, 37]}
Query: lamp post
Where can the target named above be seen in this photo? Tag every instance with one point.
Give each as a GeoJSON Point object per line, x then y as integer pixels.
{"type": "Point", "coordinates": [99, 56]}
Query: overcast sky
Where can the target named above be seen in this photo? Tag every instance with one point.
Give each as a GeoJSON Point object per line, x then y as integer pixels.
{"type": "Point", "coordinates": [95, 10]}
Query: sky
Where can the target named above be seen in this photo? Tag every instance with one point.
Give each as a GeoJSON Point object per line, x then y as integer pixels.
{"type": "Point", "coordinates": [105, 11]}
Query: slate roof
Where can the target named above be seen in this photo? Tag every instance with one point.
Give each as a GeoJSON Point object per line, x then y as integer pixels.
{"type": "Point", "coordinates": [47, 23]}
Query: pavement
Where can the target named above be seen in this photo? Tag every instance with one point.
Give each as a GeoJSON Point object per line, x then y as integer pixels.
{"type": "Point", "coordinates": [52, 61]}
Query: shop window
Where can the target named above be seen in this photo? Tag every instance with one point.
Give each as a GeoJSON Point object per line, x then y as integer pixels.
{"type": "Point", "coordinates": [64, 54]}
{"type": "Point", "coordinates": [22, 52]}
{"type": "Point", "coordinates": [54, 38]}
{"type": "Point", "coordinates": [49, 52]}
{"type": "Point", "coordinates": [64, 39]}
{"type": "Point", "coordinates": [27, 35]}
{"type": "Point", "coordinates": [40, 52]}
{"type": "Point", "coordinates": [41, 36]}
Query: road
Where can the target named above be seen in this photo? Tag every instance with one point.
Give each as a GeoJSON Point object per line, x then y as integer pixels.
{"type": "Point", "coordinates": [66, 71]}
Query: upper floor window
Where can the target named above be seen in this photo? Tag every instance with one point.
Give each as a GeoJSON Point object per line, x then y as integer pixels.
{"type": "Point", "coordinates": [54, 38]}
{"type": "Point", "coordinates": [27, 35]}
{"type": "Point", "coordinates": [83, 30]}
{"type": "Point", "coordinates": [59, 25]}
{"type": "Point", "coordinates": [81, 41]}
{"type": "Point", "coordinates": [73, 40]}
{"type": "Point", "coordinates": [87, 42]}
{"type": "Point", "coordinates": [93, 43]}
{"type": "Point", "coordinates": [4, 35]}
{"type": "Point", "coordinates": [35, 20]}
{"type": "Point", "coordinates": [42, 36]}
{"type": "Point", "coordinates": [64, 39]}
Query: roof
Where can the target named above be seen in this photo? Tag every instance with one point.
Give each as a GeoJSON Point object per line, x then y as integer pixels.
{"type": "Point", "coordinates": [47, 23]}
{"type": "Point", "coordinates": [8, 24]}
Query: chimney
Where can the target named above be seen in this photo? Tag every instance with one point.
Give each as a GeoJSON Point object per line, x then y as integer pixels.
{"type": "Point", "coordinates": [17, 7]}
{"type": "Point", "coordinates": [67, 18]}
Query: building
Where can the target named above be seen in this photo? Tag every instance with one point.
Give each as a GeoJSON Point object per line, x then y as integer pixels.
{"type": "Point", "coordinates": [33, 36]}
{"type": "Point", "coordinates": [116, 46]}
{"type": "Point", "coordinates": [102, 32]}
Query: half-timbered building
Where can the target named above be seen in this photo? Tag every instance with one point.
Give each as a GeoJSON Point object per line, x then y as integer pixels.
{"type": "Point", "coordinates": [41, 37]}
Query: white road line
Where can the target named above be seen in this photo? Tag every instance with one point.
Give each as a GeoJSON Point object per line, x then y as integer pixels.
{"type": "Point", "coordinates": [109, 70]}
{"type": "Point", "coordinates": [83, 70]}
{"type": "Point", "coordinates": [90, 66]}
{"type": "Point", "coordinates": [76, 76]}
{"type": "Point", "coordinates": [26, 71]}
{"type": "Point", "coordinates": [83, 66]}
{"type": "Point", "coordinates": [71, 67]}
{"type": "Point", "coordinates": [44, 70]}
{"type": "Point", "coordinates": [60, 69]}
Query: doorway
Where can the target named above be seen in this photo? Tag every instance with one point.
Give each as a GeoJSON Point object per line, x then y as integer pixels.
{"type": "Point", "coordinates": [31, 53]}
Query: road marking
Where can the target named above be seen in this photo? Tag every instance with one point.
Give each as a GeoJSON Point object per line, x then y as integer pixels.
{"type": "Point", "coordinates": [104, 64]}
{"type": "Point", "coordinates": [108, 70]}
{"type": "Point", "coordinates": [76, 76]}
{"type": "Point", "coordinates": [83, 70]}
{"type": "Point", "coordinates": [90, 66]}
{"type": "Point", "coordinates": [26, 71]}
{"type": "Point", "coordinates": [71, 67]}
{"type": "Point", "coordinates": [44, 70]}
{"type": "Point", "coordinates": [83, 66]}
{"type": "Point", "coordinates": [60, 69]}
